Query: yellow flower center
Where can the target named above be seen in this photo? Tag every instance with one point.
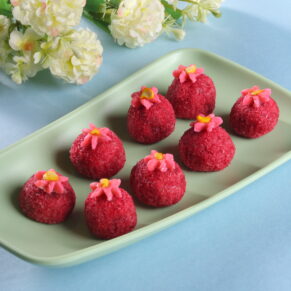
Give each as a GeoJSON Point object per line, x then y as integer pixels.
{"type": "Point", "coordinates": [159, 156]}
{"type": "Point", "coordinates": [104, 183]}
{"type": "Point", "coordinates": [95, 131]}
{"type": "Point", "coordinates": [191, 69]}
{"type": "Point", "coordinates": [28, 46]}
{"type": "Point", "coordinates": [257, 92]}
{"type": "Point", "coordinates": [203, 119]}
{"type": "Point", "coordinates": [147, 93]}
{"type": "Point", "coordinates": [50, 176]}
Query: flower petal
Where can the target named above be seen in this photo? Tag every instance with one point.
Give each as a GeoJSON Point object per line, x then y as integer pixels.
{"type": "Point", "coordinates": [115, 183]}
{"type": "Point", "coordinates": [94, 142]}
{"type": "Point", "coordinates": [152, 164]}
{"type": "Point", "coordinates": [108, 193]}
{"type": "Point", "coordinates": [59, 188]}
{"type": "Point", "coordinates": [50, 187]}
{"type": "Point", "coordinates": [146, 103]}
{"type": "Point", "coordinates": [87, 140]}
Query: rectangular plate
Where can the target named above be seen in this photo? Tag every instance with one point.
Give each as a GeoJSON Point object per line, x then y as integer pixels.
{"type": "Point", "coordinates": [70, 242]}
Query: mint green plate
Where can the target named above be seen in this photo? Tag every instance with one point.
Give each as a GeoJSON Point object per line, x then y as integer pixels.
{"type": "Point", "coordinates": [70, 243]}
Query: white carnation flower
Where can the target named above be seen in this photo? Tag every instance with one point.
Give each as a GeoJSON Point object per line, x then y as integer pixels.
{"type": "Point", "coordinates": [4, 26]}
{"type": "Point", "coordinates": [137, 22]}
{"type": "Point", "coordinates": [74, 57]}
{"type": "Point", "coordinates": [48, 16]}
{"type": "Point", "coordinates": [21, 68]}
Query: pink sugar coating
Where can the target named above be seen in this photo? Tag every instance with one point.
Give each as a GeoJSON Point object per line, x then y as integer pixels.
{"type": "Point", "coordinates": [251, 121]}
{"type": "Point", "coordinates": [108, 219]}
{"type": "Point", "coordinates": [153, 125]}
{"type": "Point", "coordinates": [157, 188]}
{"type": "Point", "coordinates": [190, 99]}
{"type": "Point", "coordinates": [107, 159]}
{"type": "Point", "coordinates": [45, 207]}
{"type": "Point", "coordinates": [206, 151]}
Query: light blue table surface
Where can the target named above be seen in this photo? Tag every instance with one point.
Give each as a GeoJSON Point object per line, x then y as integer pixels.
{"type": "Point", "coordinates": [241, 243]}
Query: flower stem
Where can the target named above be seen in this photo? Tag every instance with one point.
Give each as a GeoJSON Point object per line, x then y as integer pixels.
{"type": "Point", "coordinates": [100, 23]}
{"type": "Point", "coordinates": [189, 1]}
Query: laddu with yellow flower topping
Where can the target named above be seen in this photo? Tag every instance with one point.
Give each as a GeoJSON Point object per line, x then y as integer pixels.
{"type": "Point", "coordinates": [97, 153]}
{"type": "Point", "coordinates": [255, 113]}
{"type": "Point", "coordinates": [191, 92]}
{"type": "Point", "coordinates": [157, 180]}
{"type": "Point", "coordinates": [47, 197]}
{"type": "Point", "coordinates": [109, 209]}
{"type": "Point", "coordinates": [151, 117]}
{"type": "Point", "coordinates": [206, 147]}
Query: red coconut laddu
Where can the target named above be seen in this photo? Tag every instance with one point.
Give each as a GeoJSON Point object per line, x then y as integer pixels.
{"type": "Point", "coordinates": [97, 153]}
{"type": "Point", "coordinates": [191, 92]}
{"type": "Point", "coordinates": [206, 147]}
{"type": "Point", "coordinates": [151, 117]}
{"type": "Point", "coordinates": [157, 180]}
{"type": "Point", "coordinates": [47, 197]}
{"type": "Point", "coordinates": [255, 113]}
{"type": "Point", "coordinates": [109, 210]}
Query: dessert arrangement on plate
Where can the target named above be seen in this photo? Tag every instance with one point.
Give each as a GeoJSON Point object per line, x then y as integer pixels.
{"type": "Point", "coordinates": [157, 180]}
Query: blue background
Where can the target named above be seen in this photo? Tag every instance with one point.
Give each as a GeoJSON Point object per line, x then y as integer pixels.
{"type": "Point", "coordinates": [241, 243]}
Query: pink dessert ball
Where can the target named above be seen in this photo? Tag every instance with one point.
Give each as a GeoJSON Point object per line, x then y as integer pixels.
{"type": "Point", "coordinates": [97, 153]}
{"type": "Point", "coordinates": [191, 92]}
{"type": "Point", "coordinates": [157, 180]}
{"type": "Point", "coordinates": [255, 113]}
{"type": "Point", "coordinates": [109, 210]}
{"type": "Point", "coordinates": [47, 197]}
{"type": "Point", "coordinates": [206, 147]}
{"type": "Point", "coordinates": [151, 117]}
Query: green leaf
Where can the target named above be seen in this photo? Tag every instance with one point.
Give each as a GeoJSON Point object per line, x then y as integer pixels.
{"type": "Point", "coordinates": [4, 4]}
{"type": "Point", "coordinates": [94, 5]}
{"type": "Point", "coordinates": [5, 8]}
{"type": "Point", "coordinates": [5, 12]}
{"type": "Point", "coordinates": [170, 9]}
{"type": "Point", "coordinates": [103, 25]}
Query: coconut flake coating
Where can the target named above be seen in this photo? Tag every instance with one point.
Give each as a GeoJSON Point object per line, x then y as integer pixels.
{"type": "Point", "coordinates": [252, 122]}
{"type": "Point", "coordinates": [44, 207]}
{"type": "Point", "coordinates": [152, 125]}
{"type": "Point", "coordinates": [109, 219]}
{"type": "Point", "coordinates": [105, 160]}
{"type": "Point", "coordinates": [190, 99]}
{"type": "Point", "coordinates": [156, 188]}
{"type": "Point", "coordinates": [206, 151]}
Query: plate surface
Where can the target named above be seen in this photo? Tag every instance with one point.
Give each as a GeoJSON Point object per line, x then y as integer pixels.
{"type": "Point", "coordinates": [70, 243]}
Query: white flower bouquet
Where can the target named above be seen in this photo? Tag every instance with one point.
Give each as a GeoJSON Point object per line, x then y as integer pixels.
{"type": "Point", "coordinates": [134, 23]}
{"type": "Point", "coordinates": [40, 34]}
